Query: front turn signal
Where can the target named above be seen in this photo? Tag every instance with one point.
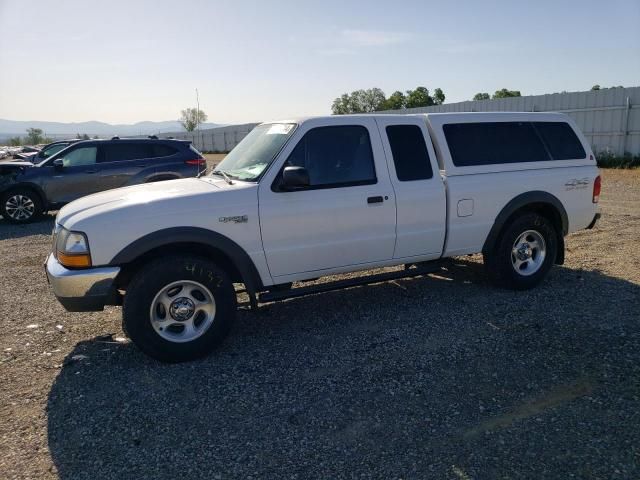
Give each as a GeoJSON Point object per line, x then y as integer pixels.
{"type": "Point", "coordinates": [76, 260]}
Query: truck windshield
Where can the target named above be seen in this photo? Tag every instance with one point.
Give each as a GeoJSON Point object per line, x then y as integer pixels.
{"type": "Point", "coordinates": [255, 152]}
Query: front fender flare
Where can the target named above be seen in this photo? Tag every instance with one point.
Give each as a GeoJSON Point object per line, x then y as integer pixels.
{"type": "Point", "coordinates": [168, 236]}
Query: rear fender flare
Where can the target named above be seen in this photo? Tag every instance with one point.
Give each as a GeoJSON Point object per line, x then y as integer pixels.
{"type": "Point", "coordinates": [534, 199]}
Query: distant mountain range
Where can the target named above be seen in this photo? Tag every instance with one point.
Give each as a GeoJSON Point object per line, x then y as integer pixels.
{"type": "Point", "coordinates": [12, 128]}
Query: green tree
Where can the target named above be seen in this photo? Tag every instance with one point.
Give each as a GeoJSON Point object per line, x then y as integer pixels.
{"type": "Point", "coordinates": [504, 93]}
{"type": "Point", "coordinates": [191, 118]}
{"type": "Point", "coordinates": [34, 136]}
{"type": "Point", "coordinates": [342, 105]}
{"type": "Point", "coordinates": [396, 101]}
{"type": "Point", "coordinates": [359, 101]}
{"type": "Point", "coordinates": [374, 100]}
{"type": "Point", "coordinates": [438, 96]}
{"type": "Point", "coordinates": [370, 100]}
{"type": "Point", "coordinates": [84, 136]}
{"type": "Point", "coordinates": [15, 141]}
{"type": "Point", "coordinates": [481, 96]}
{"type": "Point", "coordinates": [595, 87]}
{"type": "Point", "coordinates": [419, 98]}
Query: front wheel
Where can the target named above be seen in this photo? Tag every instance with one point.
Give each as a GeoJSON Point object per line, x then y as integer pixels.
{"type": "Point", "coordinates": [20, 205]}
{"type": "Point", "coordinates": [524, 253]}
{"type": "Point", "coordinates": [179, 308]}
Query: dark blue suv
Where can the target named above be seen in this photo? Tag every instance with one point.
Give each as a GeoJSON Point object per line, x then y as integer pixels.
{"type": "Point", "coordinates": [27, 190]}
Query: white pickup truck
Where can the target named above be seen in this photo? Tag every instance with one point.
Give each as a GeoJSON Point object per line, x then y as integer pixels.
{"type": "Point", "coordinates": [301, 199]}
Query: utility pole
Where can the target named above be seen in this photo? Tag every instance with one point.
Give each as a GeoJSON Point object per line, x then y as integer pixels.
{"type": "Point", "coordinates": [200, 139]}
{"type": "Point", "coordinates": [198, 110]}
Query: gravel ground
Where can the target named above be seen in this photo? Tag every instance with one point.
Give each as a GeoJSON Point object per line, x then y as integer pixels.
{"type": "Point", "coordinates": [436, 377]}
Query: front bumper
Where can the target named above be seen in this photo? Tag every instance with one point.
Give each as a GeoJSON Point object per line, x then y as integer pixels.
{"type": "Point", "coordinates": [86, 290]}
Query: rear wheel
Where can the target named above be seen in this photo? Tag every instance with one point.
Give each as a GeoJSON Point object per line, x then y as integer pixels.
{"type": "Point", "coordinates": [524, 253]}
{"type": "Point", "coordinates": [179, 308]}
{"type": "Point", "coordinates": [21, 205]}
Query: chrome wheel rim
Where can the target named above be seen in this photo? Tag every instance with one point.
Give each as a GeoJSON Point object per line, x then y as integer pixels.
{"type": "Point", "coordinates": [528, 253]}
{"type": "Point", "coordinates": [182, 311]}
{"type": "Point", "coordinates": [19, 207]}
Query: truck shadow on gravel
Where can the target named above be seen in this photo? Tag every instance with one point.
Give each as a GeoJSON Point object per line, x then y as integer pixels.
{"type": "Point", "coordinates": [42, 226]}
{"type": "Point", "coordinates": [441, 377]}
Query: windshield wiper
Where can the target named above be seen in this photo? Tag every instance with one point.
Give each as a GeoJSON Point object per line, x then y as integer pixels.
{"type": "Point", "coordinates": [223, 175]}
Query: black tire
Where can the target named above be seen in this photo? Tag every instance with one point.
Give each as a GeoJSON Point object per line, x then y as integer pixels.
{"type": "Point", "coordinates": [156, 276]}
{"type": "Point", "coordinates": [30, 200]}
{"type": "Point", "coordinates": [499, 261]}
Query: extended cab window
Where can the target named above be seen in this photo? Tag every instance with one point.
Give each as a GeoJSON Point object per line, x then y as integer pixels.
{"type": "Point", "coordinates": [80, 156]}
{"type": "Point", "coordinates": [490, 143]}
{"type": "Point", "coordinates": [117, 152]}
{"type": "Point", "coordinates": [335, 156]}
{"type": "Point", "coordinates": [409, 150]}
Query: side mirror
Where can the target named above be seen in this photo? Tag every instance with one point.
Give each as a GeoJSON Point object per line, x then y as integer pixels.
{"type": "Point", "coordinates": [58, 164]}
{"type": "Point", "coordinates": [294, 178]}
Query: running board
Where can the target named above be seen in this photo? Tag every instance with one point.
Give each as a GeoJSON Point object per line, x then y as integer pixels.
{"type": "Point", "coordinates": [423, 268]}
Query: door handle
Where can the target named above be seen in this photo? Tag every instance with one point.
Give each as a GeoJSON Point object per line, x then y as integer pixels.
{"type": "Point", "coordinates": [91, 171]}
{"type": "Point", "coordinates": [377, 199]}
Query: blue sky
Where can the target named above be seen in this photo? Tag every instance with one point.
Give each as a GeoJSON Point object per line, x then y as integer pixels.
{"type": "Point", "coordinates": [123, 62]}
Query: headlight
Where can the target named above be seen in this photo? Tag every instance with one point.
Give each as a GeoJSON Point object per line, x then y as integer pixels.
{"type": "Point", "coordinates": [72, 249]}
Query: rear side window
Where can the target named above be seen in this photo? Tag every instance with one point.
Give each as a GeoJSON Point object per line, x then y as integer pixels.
{"type": "Point", "coordinates": [409, 150]}
{"type": "Point", "coordinates": [335, 156]}
{"type": "Point", "coordinates": [118, 152]}
{"type": "Point", "coordinates": [160, 150]}
{"type": "Point", "coordinates": [561, 140]}
{"type": "Point", "coordinates": [490, 143]}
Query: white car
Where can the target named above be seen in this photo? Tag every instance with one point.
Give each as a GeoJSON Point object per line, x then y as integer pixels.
{"type": "Point", "coordinates": [301, 199]}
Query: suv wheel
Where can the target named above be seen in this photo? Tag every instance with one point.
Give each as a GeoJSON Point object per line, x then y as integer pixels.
{"type": "Point", "coordinates": [20, 206]}
{"type": "Point", "coordinates": [524, 253]}
{"type": "Point", "coordinates": [179, 308]}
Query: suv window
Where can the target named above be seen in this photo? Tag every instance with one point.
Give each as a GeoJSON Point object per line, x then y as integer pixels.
{"type": "Point", "coordinates": [160, 150]}
{"type": "Point", "coordinates": [53, 149]}
{"type": "Point", "coordinates": [80, 156]}
{"type": "Point", "coordinates": [409, 150]}
{"type": "Point", "coordinates": [490, 143]}
{"type": "Point", "coordinates": [335, 156]}
{"type": "Point", "coordinates": [561, 140]}
{"type": "Point", "coordinates": [118, 152]}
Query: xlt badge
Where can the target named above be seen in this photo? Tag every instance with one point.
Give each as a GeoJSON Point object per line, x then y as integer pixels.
{"type": "Point", "coordinates": [236, 219]}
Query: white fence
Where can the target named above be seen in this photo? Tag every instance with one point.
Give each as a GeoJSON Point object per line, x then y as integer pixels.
{"type": "Point", "coordinates": [610, 118]}
{"type": "Point", "coordinates": [220, 139]}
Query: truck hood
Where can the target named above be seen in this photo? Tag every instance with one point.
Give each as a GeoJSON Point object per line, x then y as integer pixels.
{"type": "Point", "coordinates": [147, 200]}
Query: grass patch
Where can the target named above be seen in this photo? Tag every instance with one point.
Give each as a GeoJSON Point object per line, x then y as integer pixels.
{"type": "Point", "coordinates": [607, 159]}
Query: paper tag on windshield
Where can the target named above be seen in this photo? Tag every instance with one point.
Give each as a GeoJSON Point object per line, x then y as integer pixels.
{"type": "Point", "coordinates": [279, 129]}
